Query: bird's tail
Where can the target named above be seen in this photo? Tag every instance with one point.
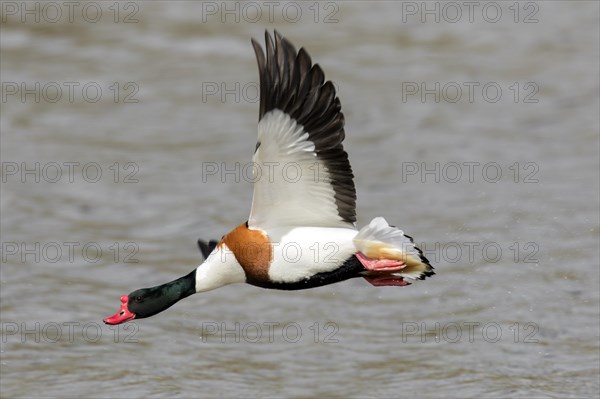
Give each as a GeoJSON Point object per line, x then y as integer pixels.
{"type": "Point", "coordinates": [379, 240]}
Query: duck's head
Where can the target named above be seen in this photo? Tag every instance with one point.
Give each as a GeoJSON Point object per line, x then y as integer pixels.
{"type": "Point", "coordinates": [137, 305]}
{"type": "Point", "coordinates": [214, 272]}
{"type": "Point", "coordinates": [147, 302]}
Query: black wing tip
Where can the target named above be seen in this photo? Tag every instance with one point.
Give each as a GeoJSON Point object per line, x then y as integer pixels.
{"type": "Point", "coordinates": [290, 82]}
{"type": "Point", "coordinates": [207, 247]}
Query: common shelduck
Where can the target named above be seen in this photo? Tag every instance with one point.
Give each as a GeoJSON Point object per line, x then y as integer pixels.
{"type": "Point", "coordinates": [301, 232]}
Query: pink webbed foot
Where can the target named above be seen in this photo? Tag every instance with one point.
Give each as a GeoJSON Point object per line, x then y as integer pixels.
{"type": "Point", "coordinates": [380, 265]}
{"type": "Point", "coordinates": [380, 281]}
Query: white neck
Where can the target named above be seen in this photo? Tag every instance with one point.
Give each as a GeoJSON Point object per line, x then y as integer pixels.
{"type": "Point", "coordinates": [219, 269]}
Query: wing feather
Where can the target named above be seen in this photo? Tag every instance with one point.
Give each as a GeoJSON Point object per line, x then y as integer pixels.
{"type": "Point", "coordinates": [300, 125]}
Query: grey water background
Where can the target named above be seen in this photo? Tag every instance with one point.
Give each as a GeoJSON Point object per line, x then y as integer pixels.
{"type": "Point", "coordinates": [500, 188]}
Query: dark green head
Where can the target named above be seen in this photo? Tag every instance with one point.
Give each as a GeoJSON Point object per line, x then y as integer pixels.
{"type": "Point", "coordinates": [147, 302]}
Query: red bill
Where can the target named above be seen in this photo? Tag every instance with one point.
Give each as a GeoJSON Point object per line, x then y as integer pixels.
{"type": "Point", "coordinates": [122, 315]}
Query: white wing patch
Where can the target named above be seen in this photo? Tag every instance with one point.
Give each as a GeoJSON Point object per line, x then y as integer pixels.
{"type": "Point", "coordinates": [292, 186]}
{"type": "Point", "coordinates": [300, 253]}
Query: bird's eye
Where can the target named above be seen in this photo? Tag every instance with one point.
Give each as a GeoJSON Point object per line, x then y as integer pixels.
{"type": "Point", "coordinates": [138, 298]}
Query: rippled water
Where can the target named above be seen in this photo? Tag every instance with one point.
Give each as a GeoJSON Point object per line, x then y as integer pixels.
{"type": "Point", "coordinates": [500, 186]}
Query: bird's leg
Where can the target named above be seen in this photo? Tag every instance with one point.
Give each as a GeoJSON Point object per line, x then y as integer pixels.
{"type": "Point", "coordinates": [380, 281]}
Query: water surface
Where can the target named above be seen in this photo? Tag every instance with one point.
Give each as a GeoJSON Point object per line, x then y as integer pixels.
{"type": "Point", "coordinates": [502, 193]}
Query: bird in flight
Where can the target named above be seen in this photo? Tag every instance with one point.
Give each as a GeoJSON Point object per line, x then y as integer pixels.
{"type": "Point", "coordinates": [301, 232]}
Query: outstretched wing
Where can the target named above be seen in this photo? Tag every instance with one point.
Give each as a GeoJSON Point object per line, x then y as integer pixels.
{"type": "Point", "coordinates": [302, 174]}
